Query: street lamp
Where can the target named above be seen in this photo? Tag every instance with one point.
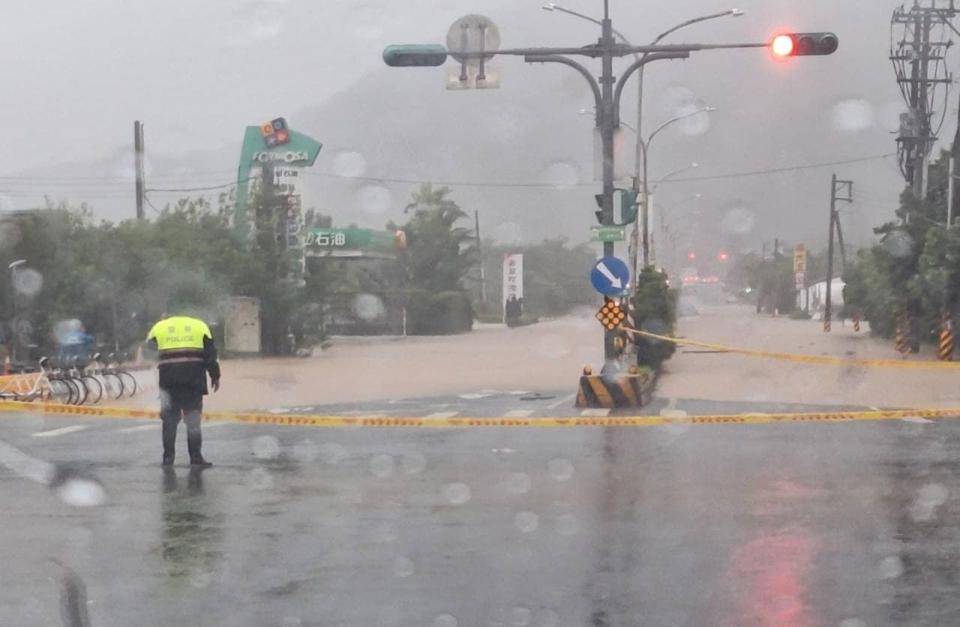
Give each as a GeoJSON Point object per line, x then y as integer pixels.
{"type": "Point", "coordinates": [641, 148]}
{"type": "Point", "coordinates": [14, 336]}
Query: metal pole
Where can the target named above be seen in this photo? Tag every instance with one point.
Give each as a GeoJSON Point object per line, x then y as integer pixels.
{"type": "Point", "coordinates": [827, 311]}
{"type": "Point", "coordinates": [138, 166]}
{"type": "Point", "coordinates": [483, 280]}
{"type": "Point", "coordinates": [607, 119]}
{"type": "Point", "coordinates": [645, 215]}
{"type": "Point", "coordinates": [950, 176]}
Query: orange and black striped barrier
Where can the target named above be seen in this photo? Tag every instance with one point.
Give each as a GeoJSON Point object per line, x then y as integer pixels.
{"type": "Point", "coordinates": [945, 347]}
{"type": "Point", "coordinates": [902, 343]}
{"type": "Point", "coordinates": [826, 324]}
{"type": "Point", "coordinates": [609, 391]}
{"type": "Point", "coordinates": [856, 322]}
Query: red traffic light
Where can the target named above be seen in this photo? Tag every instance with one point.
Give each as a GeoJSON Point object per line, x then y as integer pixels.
{"type": "Point", "coordinates": [723, 257]}
{"type": "Point", "coordinates": [691, 255]}
{"type": "Point", "coordinates": [782, 45]}
{"type": "Point", "coordinates": [803, 44]}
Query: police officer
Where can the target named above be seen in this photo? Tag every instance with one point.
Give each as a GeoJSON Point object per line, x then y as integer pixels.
{"type": "Point", "coordinates": [187, 355]}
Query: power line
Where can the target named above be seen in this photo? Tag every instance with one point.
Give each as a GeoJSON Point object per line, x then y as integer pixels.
{"type": "Point", "coordinates": [795, 168]}
{"type": "Point", "coordinates": [203, 189]}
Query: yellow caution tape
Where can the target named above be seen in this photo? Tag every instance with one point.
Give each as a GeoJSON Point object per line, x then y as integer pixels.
{"type": "Point", "coordinates": [304, 420]}
{"type": "Point", "coordinates": [808, 359]}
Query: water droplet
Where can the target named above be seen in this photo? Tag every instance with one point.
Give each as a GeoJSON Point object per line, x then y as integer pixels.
{"type": "Point", "coordinates": [852, 115]}
{"type": "Point", "coordinates": [27, 281]}
{"type": "Point", "coordinates": [200, 579]}
{"type": "Point", "coordinates": [567, 525]}
{"type": "Point", "coordinates": [560, 469]}
{"type": "Point", "coordinates": [456, 493]}
{"type": "Point", "coordinates": [520, 616]}
{"type": "Point", "coordinates": [527, 522]}
{"type": "Point", "coordinates": [349, 164]}
{"type": "Point", "coordinates": [81, 492]}
{"type": "Point", "coordinates": [444, 620]}
{"type": "Point", "coordinates": [260, 479]}
{"type": "Point", "coordinates": [890, 567]}
{"type": "Point", "coordinates": [562, 174]}
{"type": "Point", "coordinates": [332, 453]}
{"type": "Point", "coordinates": [413, 463]}
{"type": "Point", "coordinates": [403, 567]}
{"type": "Point", "coordinates": [698, 121]}
{"type": "Point", "coordinates": [305, 452]}
{"type": "Point", "coordinates": [266, 447]}
{"type": "Point", "coordinates": [507, 234]}
{"type": "Point", "coordinates": [369, 307]}
{"type": "Point", "coordinates": [382, 465]}
{"type": "Point", "coordinates": [374, 199]}
{"type": "Point", "coordinates": [518, 483]}
{"type": "Point", "coordinates": [898, 243]}
{"type": "Point", "coordinates": [738, 221]}
{"type": "Point", "coordinates": [929, 498]}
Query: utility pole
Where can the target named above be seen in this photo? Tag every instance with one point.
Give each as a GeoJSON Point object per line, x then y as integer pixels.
{"type": "Point", "coordinates": [917, 50]}
{"type": "Point", "coordinates": [835, 187]}
{"type": "Point", "coordinates": [483, 275]}
{"type": "Point", "coordinates": [138, 166]}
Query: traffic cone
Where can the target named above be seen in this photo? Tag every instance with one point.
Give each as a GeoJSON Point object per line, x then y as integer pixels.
{"type": "Point", "coordinates": [139, 358]}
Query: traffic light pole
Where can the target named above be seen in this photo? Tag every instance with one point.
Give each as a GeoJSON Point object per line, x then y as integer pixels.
{"type": "Point", "coordinates": [606, 94]}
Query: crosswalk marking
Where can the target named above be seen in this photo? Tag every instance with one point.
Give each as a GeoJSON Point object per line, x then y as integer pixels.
{"type": "Point", "coordinates": [562, 401]}
{"type": "Point", "coordinates": [518, 413]}
{"type": "Point", "coordinates": [443, 414]}
{"type": "Point", "coordinates": [61, 431]}
{"type": "Point", "coordinates": [595, 413]}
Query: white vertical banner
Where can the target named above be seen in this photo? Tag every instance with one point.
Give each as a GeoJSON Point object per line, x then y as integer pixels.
{"type": "Point", "coordinates": [512, 278]}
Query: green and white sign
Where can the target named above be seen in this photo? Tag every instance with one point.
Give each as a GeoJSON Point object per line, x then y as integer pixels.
{"type": "Point", "coordinates": [607, 234]}
{"type": "Point", "coordinates": [349, 242]}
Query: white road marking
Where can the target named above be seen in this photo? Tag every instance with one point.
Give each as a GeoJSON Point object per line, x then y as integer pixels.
{"type": "Point", "coordinates": [61, 431]}
{"type": "Point", "coordinates": [673, 413]}
{"type": "Point", "coordinates": [562, 401]}
{"type": "Point", "coordinates": [917, 419]}
{"type": "Point", "coordinates": [442, 414]}
{"type": "Point", "coordinates": [150, 427]}
{"type": "Point", "coordinates": [671, 405]}
{"type": "Point", "coordinates": [595, 413]}
{"type": "Point", "coordinates": [474, 397]}
{"type": "Point", "coordinates": [518, 413]}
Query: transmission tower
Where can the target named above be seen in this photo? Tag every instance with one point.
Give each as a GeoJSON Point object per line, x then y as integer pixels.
{"type": "Point", "coordinates": [920, 38]}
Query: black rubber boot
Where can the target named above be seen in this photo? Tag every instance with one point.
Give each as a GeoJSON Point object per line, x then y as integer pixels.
{"type": "Point", "coordinates": [194, 443]}
{"type": "Point", "coordinates": [169, 442]}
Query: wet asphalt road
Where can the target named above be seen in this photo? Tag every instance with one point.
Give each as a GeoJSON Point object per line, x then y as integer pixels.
{"type": "Point", "coordinates": [852, 524]}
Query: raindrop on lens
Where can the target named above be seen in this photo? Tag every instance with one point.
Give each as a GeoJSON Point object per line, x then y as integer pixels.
{"type": "Point", "coordinates": [28, 282]}
{"type": "Point", "coordinates": [444, 620]}
{"type": "Point", "coordinates": [381, 465]}
{"type": "Point", "coordinates": [560, 469]}
{"type": "Point", "coordinates": [349, 164]}
{"type": "Point", "coordinates": [403, 567]}
{"type": "Point", "coordinates": [305, 452]}
{"type": "Point", "coordinates": [332, 453]}
{"type": "Point", "coordinates": [456, 493]}
{"type": "Point", "coordinates": [266, 447]}
{"type": "Point", "coordinates": [413, 463]}
{"type": "Point", "coordinates": [852, 115]}
{"type": "Point", "coordinates": [898, 244]}
{"type": "Point", "coordinates": [891, 567]}
{"type": "Point", "coordinates": [374, 199]}
{"type": "Point", "coordinates": [368, 307]}
{"type": "Point", "coordinates": [260, 479]}
{"type": "Point", "coordinates": [527, 522]}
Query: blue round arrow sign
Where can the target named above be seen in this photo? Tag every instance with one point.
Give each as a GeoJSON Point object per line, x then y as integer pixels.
{"type": "Point", "coordinates": [610, 276]}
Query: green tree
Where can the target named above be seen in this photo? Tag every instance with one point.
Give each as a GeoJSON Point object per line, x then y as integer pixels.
{"type": "Point", "coordinates": [439, 254]}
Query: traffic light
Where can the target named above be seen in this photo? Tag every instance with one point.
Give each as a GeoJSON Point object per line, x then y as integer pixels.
{"type": "Point", "coordinates": [628, 206]}
{"type": "Point", "coordinates": [415, 55]}
{"type": "Point", "coordinates": [723, 257]}
{"type": "Point", "coordinates": [803, 44]}
{"type": "Point", "coordinates": [692, 256]}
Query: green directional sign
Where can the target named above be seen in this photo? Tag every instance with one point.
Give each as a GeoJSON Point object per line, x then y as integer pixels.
{"type": "Point", "coordinates": [319, 241]}
{"type": "Point", "coordinates": [607, 234]}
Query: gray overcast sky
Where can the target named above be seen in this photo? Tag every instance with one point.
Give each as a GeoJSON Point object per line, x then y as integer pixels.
{"type": "Point", "coordinates": [78, 73]}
